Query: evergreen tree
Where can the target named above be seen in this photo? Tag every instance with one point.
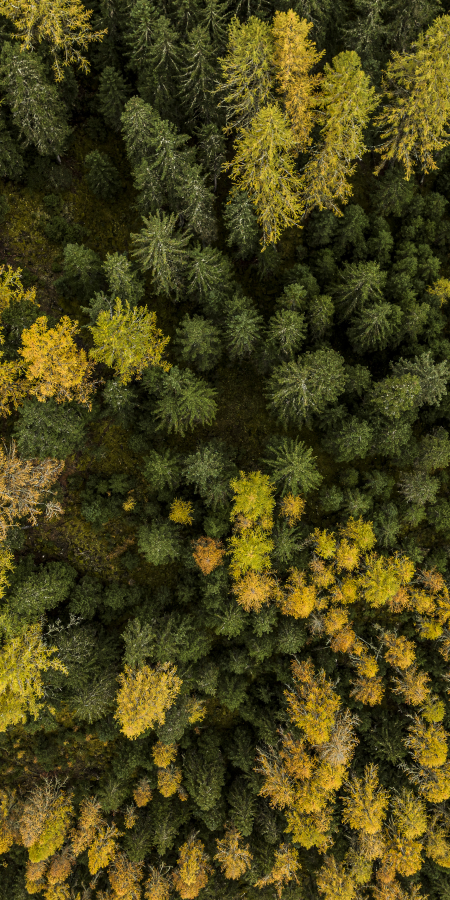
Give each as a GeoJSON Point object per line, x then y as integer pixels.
{"type": "Point", "coordinates": [161, 250]}
{"type": "Point", "coordinates": [241, 223]}
{"type": "Point", "coordinates": [138, 126]}
{"type": "Point", "coordinates": [139, 34]}
{"type": "Point", "coordinates": [11, 160]}
{"type": "Point", "coordinates": [374, 328]}
{"type": "Point", "coordinates": [286, 333]}
{"type": "Point", "coordinates": [299, 389]}
{"type": "Point", "coordinates": [293, 465]}
{"type": "Point", "coordinates": [209, 272]}
{"type": "Point", "coordinates": [215, 17]}
{"type": "Point", "coordinates": [123, 281]}
{"type": "Point", "coordinates": [112, 92]}
{"type": "Point", "coordinates": [243, 327]}
{"type": "Point", "coordinates": [210, 471]}
{"type": "Point", "coordinates": [37, 112]}
{"type": "Point", "coordinates": [198, 341]}
{"type": "Point", "coordinates": [211, 151]}
{"type": "Point", "coordinates": [159, 78]}
{"type": "Point", "coordinates": [351, 441]}
{"type": "Point", "coordinates": [184, 401]}
{"type": "Point", "coordinates": [49, 430]}
{"type": "Point", "coordinates": [102, 176]}
{"type": "Point", "coordinates": [198, 75]}
{"type": "Point", "coordinates": [361, 283]}
{"type": "Point", "coordinates": [320, 316]}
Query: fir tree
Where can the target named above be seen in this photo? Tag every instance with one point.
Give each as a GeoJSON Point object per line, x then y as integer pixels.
{"type": "Point", "coordinates": [162, 251]}
{"type": "Point", "coordinates": [112, 94]}
{"type": "Point", "coordinates": [101, 175]}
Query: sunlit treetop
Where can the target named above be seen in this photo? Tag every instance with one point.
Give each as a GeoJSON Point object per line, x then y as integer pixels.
{"type": "Point", "coordinates": [62, 24]}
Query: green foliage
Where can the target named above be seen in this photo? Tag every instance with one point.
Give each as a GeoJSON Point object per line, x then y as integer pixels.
{"type": "Point", "coordinates": [304, 387]}
{"type": "Point", "coordinates": [243, 327]}
{"type": "Point", "coordinates": [198, 341]}
{"type": "Point", "coordinates": [101, 175]}
{"type": "Point", "coordinates": [159, 543]}
{"type": "Point", "coordinates": [162, 251]}
{"type": "Point", "coordinates": [49, 429]}
{"type": "Point", "coordinates": [292, 466]}
{"type": "Point", "coordinates": [184, 401]}
{"type": "Point", "coordinates": [112, 92]}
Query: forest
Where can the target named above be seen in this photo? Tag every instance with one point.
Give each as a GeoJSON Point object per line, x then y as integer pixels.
{"type": "Point", "coordinates": [225, 449]}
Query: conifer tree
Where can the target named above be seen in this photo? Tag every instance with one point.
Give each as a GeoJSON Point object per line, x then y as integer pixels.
{"type": "Point", "coordinates": [63, 25]}
{"type": "Point", "coordinates": [160, 76]}
{"type": "Point", "coordinates": [241, 223]}
{"type": "Point", "coordinates": [112, 92]}
{"type": "Point", "coordinates": [23, 660]}
{"type": "Point", "coordinates": [247, 71]}
{"type": "Point", "coordinates": [101, 175]}
{"type": "Point", "coordinates": [144, 697]}
{"type": "Point", "coordinates": [162, 251]}
{"type": "Point", "coordinates": [294, 56]}
{"type": "Point", "coordinates": [211, 151]}
{"type": "Point", "coordinates": [297, 390]}
{"type": "Point", "coordinates": [139, 33]}
{"type": "Point", "coordinates": [184, 401]}
{"type": "Point", "coordinates": [198, 342]}
{"type": "Point", "coordinates": [128, 340]}
{"type": "Point", "coordinates": [413, 83]}
{"type": "Point", "coordinates": [138, 126]}
{"type": "Point", "coordinates": [346, 101]}
{"type": "Point", "coordinates": [198, 75]}
{"type": "Point", "coordinates": [37, 112]}
{"type": "Point", "coordinates": [263, 167]}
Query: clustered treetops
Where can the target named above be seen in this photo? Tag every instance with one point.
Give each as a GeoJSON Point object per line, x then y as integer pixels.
{"type": "Point", "coordinates": [224, 487]}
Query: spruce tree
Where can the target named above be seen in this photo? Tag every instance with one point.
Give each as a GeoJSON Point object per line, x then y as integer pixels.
{"type": "Point", "coordinates": [198, 341]}
{"type": "Point", "coordinates": [162, 251]}
{"type": "Point", "coordinates": [102, 176]}
{"type": "Point", "coordinates": [301, 388]}
{"type": "Point", "coordinates": [112, 93]}
{"type": "Point", "coordinates": [198, 76]}
{"type": "Point", "coordinates": [184, 401]}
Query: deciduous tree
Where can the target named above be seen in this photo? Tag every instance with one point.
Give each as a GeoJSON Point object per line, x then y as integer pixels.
{"type": "Point", "coordinates": [127, 340]}
{"type": "Point", "coordinates": [144, 697]}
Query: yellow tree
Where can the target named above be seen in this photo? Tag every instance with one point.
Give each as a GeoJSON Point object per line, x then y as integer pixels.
{"type": "Point", "coordinates": [233, 858]}
{"type": "Point", "coordinates": [208, 554]}
{"type": "Point", "coordinates": [345, 103]}
{"type": "Point", "coordinates": [12, 389]}
{"type": "Point", "coordinates": [45, 820]}
{"type": "Point", "coordinates": [284, 869]}
{"type": "Point", "coordinates": [12, 290]}
{"type": "Point", "coordinates": [191, 872]}
{"type": "Point", "coordinates": [247, 71]}
{"type": "Point", "coordinates": [24, 488]}
{"type": "Point", "coordinates": [264, 168]}
{"type": "Point", "coordinates": [125, 877]}
{"type": "Point", "coordinates": [55, 366]}
{"type": "Point", "coordinates": [128, 341]}
{"type": "Point", "coordinates": [414, 118]}
{"type": "Point", "coordinates": [294, 57]}
{"type": "Point", "coordinates": [144, 697]}
{"type": "Point", "coordinates": [23, 660]}
{"type": "Point", "coordinates": [365, 803]}
{"type": "Point", "coordinates": [63, 25]}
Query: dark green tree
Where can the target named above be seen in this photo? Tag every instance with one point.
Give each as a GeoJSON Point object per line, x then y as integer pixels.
{"type": "Point", "coordinates": [102, 176]}
{"type": "Point", "coordinates": [161, 250]}
{"type": "Point", "coordinates": [243, 327]}
{"type": "Point", "coordinates": [112, 94]}
{"type": "Point", "coordinates": [292, 466]}
{"type": "Point", "coordinates": [375, 327]}
{"type": "Point", "coordinates": [49, 429]}
{"type": "Point", "coordinates": [198, 342]}
{"type": "Point", "coordinates": [299, 389]}
{"type": "Point", "coordinates": [361, 283]}
{"type": "Point", "coordinates": [198, 76]}
{"type": "Point", "coordinates": [286, 333]}
{"type": "Point", "coordinates": [210, 471]}
{"type": "Point", "coordinates": [242, 226]}
{"type": "Point", "coordinates": [184, 401]}
{"type": "Point", "coordinates": [159, 543]}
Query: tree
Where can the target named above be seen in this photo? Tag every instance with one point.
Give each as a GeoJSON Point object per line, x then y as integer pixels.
{"type": "Point", "coordinates": [162, 470]}
{"type": "Point", "coordinates": [299, 389]}
{"type": "Point", "coordinates": [209, 469]}
{"type": "Point", "coordinates": [122, 280]}
{"type": "Point", "coordinates": [37, 112]}
{"type": "Point", "coordinates": [191, 872]}
{"type": "Point", "coordinates": [138, 127]}
{"type": "Point", "coordinates": [208, 554]}
{"type": "Point", "coordinates": [247, 71]}
{"type": "Point", "coordinates": [294, 56]}
{"type": "Point", "coordinates": [292, 466]}
{"type": "Point", "coordinates": [375, 328]}
{"type": "Point", "coordinates": [184, 401]}
{"type": "Point", "coordinates": [102, 176]}
{"type": "Point", "coordinates": [286, 333]}
{"type": "Point", "coordinates": [45, 821]}
{"type": "Point", "coordinates": [24, 487]}
{"type": "Point", "coordinates": [352, 440]}
{"type": "Point", "coordinates": [335, 883]}
{"type": "Point", "coordinates": [162, 251]}
{"type": "Point", "coordinates": [161, 74]}
{"type": "Point", "coordinates": [198, 342]}
{"type": "Point", "coordinates": [144, 697]}
{"type": "Point", "coordinates": [242, 225]}
{"type": "Point", "coordinates": [55, 367]}
{"type": "Point", "coordinates": [361, 283]}
{"type": "Point", "coordinates": [346, 101]}
{"type": "Point", "coordinates": [160, 544]}
{"type": "Point", "coordinates": [23, 660]}
{"type": "Point", "coordinates": [198, 74]}
{"type": "Point", "coordinates": [211, 150]}
{"type": "Point", "coordinates": [414, 82]}
{"type": "Point", "coordinates": [320, 316]}
{"type": "Point", "coordinates": [365, 803]}
{"type": "Point", "coordinates": [284, 870]}
{"type": "Point", "coordinates": [253, 501]}
{"type": "Point", "coordinates": [263, 167]}
{"type": "Point", "coordinates": [181, 512]}
{"type": "Point", "coordinates": [112, 92]}
{"type": "Point", "coordinates": [233, 859]}
{"type": "Point", "coordinates": [243, 327]}
{"type": "Point", "coordinates": [128, 340]}
{"type": "Point", "coordinates": [63, 25]}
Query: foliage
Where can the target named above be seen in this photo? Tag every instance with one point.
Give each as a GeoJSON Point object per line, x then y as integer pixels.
{"type": "Point", "coordinates": [55, 367]}
{"type": "Point", "coordinates": [144, 697]}
{"type": "Point", "coordinates": [128, 340]}
{"type": "Point", "coordinates": [24, 488]}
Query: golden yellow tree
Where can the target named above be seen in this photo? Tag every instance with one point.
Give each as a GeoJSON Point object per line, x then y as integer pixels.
{"type": "Point", "coordinates": [264, 168]}
{"type": "Point", "coordinates": [24, 488]}
{"type": "Point", "coordinates": [63, 26]}
{"type": "Point", "coordinates": [128, 340]}
{"type": "Point", "coordinates": [45, 820]}
{"type": "Point", "coordinates": [414, 119]}
{"type": "Point", "coordinates": [294, 57]}
{"type": "Point", "coordinates": [191, 872]}
{"type": "Point", "coordinates": [181, 512]}
{"type": "Point", "coordinates": [23, 660]}
{"type": "Point", "coordinates": [345, 103]}
{"type": "Point", "coordinates": [208, 554]}
{"type": "Point", "coordinates": [125, 876]}
{"type": "Point", "coordinates": [247, 71]}
{"type": "Point", "coordinates": [144, 697]}
{"type": "Point", "coordinates": [233, 858]}
{"type": "Point", "coordinates": [54, 365]}
{"type": "Point", "coordinates": [284, 869]}
{"type": "Point", "coordinates": [365, 803]}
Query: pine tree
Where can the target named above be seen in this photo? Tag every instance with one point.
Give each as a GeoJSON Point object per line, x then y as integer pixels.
{"type": "Point", "coordinates": [361, 283]}
{"type": "Point", "coordinates": [162, 251]}
{"type": "Point", "coordinates": [286, 333]}
{"type": "Point", "coordinates": [159, 81]}
{"type": "Point", "coordinates": [102, 176]}
{"type": "Point", "coordinates": [209, 272]}
{"type": "Point", "coordinates": [247, 71]}
{"type": "Point", "coordinates": [37, 112]}
{"type": "Point", "coordinates": [123, 281]}
{"type": "Point", "coordinates": [375, 328]}
{"type": "Point", "coordinates": [139, 120]}
{"type": "Point", "coordinates": [184, 402]}
{"type": "Point", "coordinates": [294, 56]}
{"type": "Point", "coordinates": [299, 389]}
{"type": "Point", "coordinates": [112, 92]}
{"type": "Point", "coordinates": [211, 151]}
{"type": "Point", "coordinates": [242, 226]}
{"type": "Point", "coordinates": [346, 101]}
{"type": "Point", "coordinates": [292, 466]}
{"type": "Point", "coordinates": [415, 82]}
{"type": "Point", "coordinates": [209, 470]}
{"type": "Point", "coordinates": [139, 34]}
{"type": "Point", "coordinates": [198, 75]}
{"type": "Point", "coordinates": [243, 327]}
{"type": "Point", "coordinates": [198, 342]}
{"type": "Point", "coordinates": [215, 16]}
{"type": "Point", "coordinates": [62, 26]}
{"type": "Point", "coordinates": [128, 340]}
{"type": "Point", "coordinates": [263, 167]}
